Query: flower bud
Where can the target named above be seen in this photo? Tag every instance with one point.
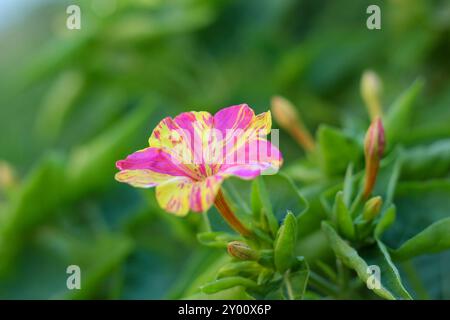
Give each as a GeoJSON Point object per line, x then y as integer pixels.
{"type": "Point", "coordinates": [374, 143]}
{"type": "Point", "coordinates": [288, 118]}
{"type": "Point", "coordinates": [241, 251]}
{"type": "Point", "coordinates": [8, 177]}
{"type": "Point", "coordinates": [284, 112]}
{"type": "Point", "coordinates": [371, 88]}
{"type": "Point", "coordinates": [372, 208]}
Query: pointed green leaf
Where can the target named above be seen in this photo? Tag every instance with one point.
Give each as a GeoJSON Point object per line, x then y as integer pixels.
{"type": "Point", "coordinates": [433, 239]}
{"type": "Point", "coordinates": [386, 220]}
{"type": "Point", "coordinates": [391, 286]}
{"type": "Point", "coordinates": [398, 118]}
{"type": "Point", "coordinates": [226, 283]}
{"type": "Point", "coordinates": [215, 239]}
{"type": "Point", "coordinates": [234, 293]}
{"type": "Point", "coordinates": [343, 219]}
{"type": "Point", "coordinates": [336, 150]}
{"type": "Point", "coordinates": [261, 203]}
{"type": "Point", "coordinates": [242, 268]}
{"type": "Point", "coordinates": [296, 280]}
{"type": "Point", "coordinates": [427, 161]}
{"type": "Point", "coordinates": [348, 185]}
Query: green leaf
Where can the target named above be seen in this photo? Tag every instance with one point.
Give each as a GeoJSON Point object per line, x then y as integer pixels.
{"type": "Point", "coordinates": [433, 239]}
{"type": "Point", "coordinates": [336, 150]}
{"type": "Point", "coordinates": [296, 280]}
{"type": "Point", "coordinates": [226, 283]}
{"type": "Point", "coordinates": [242, 268]}
{"type": "Point", "coordinates": [109, 252]}
{"type": "Point", "coordinates": [399, 116]}
{"type": "Point", "coordinates": [390, 278]}
{"type": "Point", "coordinates": [215, 239]}
{"type": "Point", "coordinates": [343, 218]}
{"type": "Point", "coordinates": [428, 161]}
{"type": "Point", "coordinates": [348, 186]}
{"type": "Point", "coordinates": [420, 204]}
{"type": "Point", "coordinates": [286, 197]}
{"type": "Point", "coordinates": [284, 248]}
{"type": "Point", "coordinates": [235, 293]}
{"type": "Point", "coordinates": [388, 175]}
{"type": "Point", "coordinates": [262, 207]}
{"type": "Point", "coordinates": [385, 221]}
{"type": "Point", "coordinates": [91, 166]}
{"type": "Point", "coordinates": [391, 286]}
{"type": "Point", "coordinates": [35, 202]}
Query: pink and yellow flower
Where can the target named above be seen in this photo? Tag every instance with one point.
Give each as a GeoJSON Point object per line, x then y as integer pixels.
{"type": "Point", "coordinates": [191, 155]}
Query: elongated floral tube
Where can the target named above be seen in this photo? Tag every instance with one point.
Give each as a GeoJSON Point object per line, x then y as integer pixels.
{"type": "Point", "coordinates": [225, 211]}
{"type": "Point", "coordinates": [373, 149]}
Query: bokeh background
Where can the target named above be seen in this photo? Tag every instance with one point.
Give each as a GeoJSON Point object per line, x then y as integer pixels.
{"type": "Point", "coordinates": [72, 102]}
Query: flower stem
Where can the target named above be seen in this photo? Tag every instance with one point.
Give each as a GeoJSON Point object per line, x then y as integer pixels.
{"type": "Point", "coordinates": [206, 220]}
{"type": "Point", "coordinates": [288, 284]}
{"type": "Point", "coordinates": [224, 209]}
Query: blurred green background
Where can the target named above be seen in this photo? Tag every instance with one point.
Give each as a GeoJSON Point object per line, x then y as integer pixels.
{"type": "Point", "coordinates": [72, 102]}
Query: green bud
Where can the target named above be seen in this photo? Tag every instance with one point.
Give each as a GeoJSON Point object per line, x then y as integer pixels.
{"type": "Point", "coordinates": [241, 251]}
{"type": "Point", "coordinates": [372, 208]}
{"type": "Point", "coordinates": [284, 254]}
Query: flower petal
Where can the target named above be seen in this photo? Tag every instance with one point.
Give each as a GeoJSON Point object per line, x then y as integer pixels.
{"type": "Point", "coordinates": [190, 138]}
{"type": "Point", "coordinates": [204, 193]}
{"type": "Point", "coordinates": [254, 158]}
{"type": "Point", "coordinates": [155, 160]}
{"type": "Point", "coordinates": [173, 195]}
{"type": "Point", "coordinates": [197, 130]}
{"type": "Point", "coordinates": [143, 178]}
{"type": "Point", "coordinates": [233, 118]}
{"type": "Point", "coordinates": [260, 125]}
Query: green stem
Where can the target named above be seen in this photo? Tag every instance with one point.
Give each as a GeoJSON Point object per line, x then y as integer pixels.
{"type": "Point", "coordinates": [207, 222]}
{"type": "Point", "coordinates": [288, 284]}
{"type": "Point", "coordinates": [342, 278]}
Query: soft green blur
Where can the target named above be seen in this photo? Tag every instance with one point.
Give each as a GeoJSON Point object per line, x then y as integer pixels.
{"type": "Point", "coordinates": [72, 102]}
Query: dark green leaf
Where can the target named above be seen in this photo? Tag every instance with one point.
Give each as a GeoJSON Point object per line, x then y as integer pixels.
{"type": "Point", "coordinates": [433, 239]}
{"type": "Point", "coordinates": [336, 150]}
{"type": "Point", "coordinates": [398, 118]}
{"type": "Point", "coordinates": [391, 285]}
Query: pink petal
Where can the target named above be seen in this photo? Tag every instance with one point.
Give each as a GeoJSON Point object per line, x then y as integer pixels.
{"type": "Point", "coordinates": [155, 160]}
{"type": "Point", "coordinates": [233, 118]}
{"type": "Point", "coordinates": [254, 158]}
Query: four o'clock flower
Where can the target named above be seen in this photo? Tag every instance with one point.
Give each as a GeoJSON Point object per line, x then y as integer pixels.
{"type": "Point", "coordinates": [190, 156]}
